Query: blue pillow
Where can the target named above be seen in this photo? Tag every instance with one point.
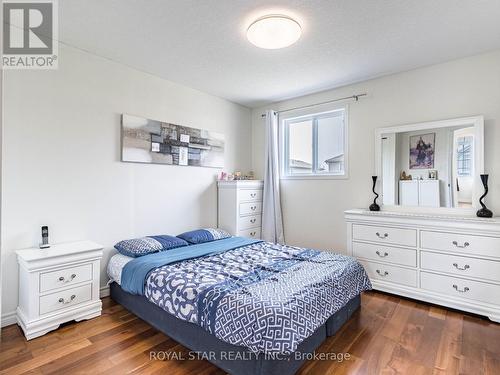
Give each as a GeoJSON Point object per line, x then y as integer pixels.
{"type": "Point", "coordinates": [138, 247]}
{"type": "Point", "coordinates": [204, 235]}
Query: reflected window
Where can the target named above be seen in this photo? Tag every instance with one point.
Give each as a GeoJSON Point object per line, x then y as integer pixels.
{"type": "Point", "coordinates": [464, 156]}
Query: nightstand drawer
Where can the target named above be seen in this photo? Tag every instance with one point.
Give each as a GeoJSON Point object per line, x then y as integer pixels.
{"type": "Point", "coordinates": [65, 299]}
{"type": "Point", "coordinates": [250, 208]}
{"type": "Point", "coordinates": [250, 195]}
{"type": "Point", "coordinates": [65, 276]}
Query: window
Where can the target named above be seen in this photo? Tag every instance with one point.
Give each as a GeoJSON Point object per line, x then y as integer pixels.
{"type": "Point", "coordinates": [464, 156]}
{"type": "Point", "coordinates": [315, 145]}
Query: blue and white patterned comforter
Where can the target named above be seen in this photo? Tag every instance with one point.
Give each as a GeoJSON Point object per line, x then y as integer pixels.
{"type": "Point", "coordinates": [266, 297]}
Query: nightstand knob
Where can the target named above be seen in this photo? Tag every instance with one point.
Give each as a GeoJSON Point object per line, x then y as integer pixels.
{"type": "Point", "coordinates": [63, 301]}
{"type": "Point", "coordinates": [63, 279]}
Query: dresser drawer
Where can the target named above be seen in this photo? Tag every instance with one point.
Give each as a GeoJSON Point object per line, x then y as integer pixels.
{"type": "Point", "coordinates": [249, 195]}
{"type": "Point", "coordinates": [65, 276]}
{"type": "Point", "coordinates": [457, 287]}
{"type": "Point", "coordinates": [251, 233]}
{"type": "Point", "coordinates": [392, 274]}
{"type": "Point", "coordinates": [65, 299]}
{"type": "Point", "coordinates": [250, 208]}
{"type": "Point", "coordinates": [461, 266]}
{"type": "Point", "coordinates": [388, 235]}
{"type": "Point", "coordinates": [461, 243]}
{"type": "Point", "coordinates": [247, 222]}
{"type": "Point", "coordinates": [383, 253]}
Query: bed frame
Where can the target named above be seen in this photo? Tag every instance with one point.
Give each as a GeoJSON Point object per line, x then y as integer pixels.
{"type": "Point", "coordinates": [197, 339]}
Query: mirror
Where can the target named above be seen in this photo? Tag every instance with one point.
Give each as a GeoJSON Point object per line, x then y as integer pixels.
{"type": "Point", "coordinates": [431, 165]}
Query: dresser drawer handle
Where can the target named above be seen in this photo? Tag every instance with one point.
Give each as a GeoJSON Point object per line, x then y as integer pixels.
{"type": "Point", "coordinates": [464, 268]}
{"type": "Point", "coordinates": [461, 246]}
{"type": "Point", "coordinates": [253, 195]}
{"type": "Point", "coordinates": [253, 208]}
{"type": "Point", "coordinates": [385, 273]}
{"type": "Point", "coordinates": [464, 290]}
{"type": "Point", "coordinates": [63, 279]}
{"type": "Point", "coordinates": [381, 255]}
{"type": "Point", "coordinates": [253, 220]}
{"type": "Point", "coordinates": [384, 236]}
{"type": "Point", "coordinates": [252, 234]}
{"type": "Point", "coordinates": [64, 302]}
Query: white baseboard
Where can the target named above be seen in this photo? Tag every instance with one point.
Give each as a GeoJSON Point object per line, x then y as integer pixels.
{"type": "Point", "coordinates": [104, 291]}
{"type": "Point", "coordinates": [10, 317]}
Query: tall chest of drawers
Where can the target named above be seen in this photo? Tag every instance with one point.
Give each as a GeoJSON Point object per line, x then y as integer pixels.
{"type": "Point", "coordinates": [240, 207]}
{"type": "Point", "coordinates": [447, 260]}
{"type": "Point", "coordinates": [57, 285]}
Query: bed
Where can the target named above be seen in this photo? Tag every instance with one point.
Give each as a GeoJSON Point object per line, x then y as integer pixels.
{"type": "Point", "coordinates": [254, 307]}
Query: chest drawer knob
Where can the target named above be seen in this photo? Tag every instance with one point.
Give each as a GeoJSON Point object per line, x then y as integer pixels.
{"type": "Point", "coordinates": [385, 273]}
{"type": "Point", "coordinates": [63, 279]}
{"type": "Point", "coordinates": [464, 268]}
{"type": "Point", "coordinates": [461, 246]}
{"type": "Point", "coordinates": [381, 255]}
{"type": "Point", "coordinates": [253, 195]}
{"type": "Point", "coordinates": [253, 220]}
{"type": "Point", "coordinates": [253, 208]}
{"type": "Point", "coordinates": [464, 290]}
{"type": "Point", "coordinates": [64, 302]}
{"type": "Point", "coordinates": [253, 234]}
{"type": "Point", "coordinates": [383, 236]}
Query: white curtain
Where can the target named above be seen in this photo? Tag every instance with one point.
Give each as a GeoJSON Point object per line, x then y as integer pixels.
{"type": "Point", "coordinates": [272, 220]}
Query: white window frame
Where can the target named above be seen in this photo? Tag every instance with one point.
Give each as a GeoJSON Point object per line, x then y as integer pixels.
{"type": "Point", "coordinates": [293, 117]}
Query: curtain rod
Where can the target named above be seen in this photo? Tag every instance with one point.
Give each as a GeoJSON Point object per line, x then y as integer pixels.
{"type": "Point", "coordinates": [355, 97]}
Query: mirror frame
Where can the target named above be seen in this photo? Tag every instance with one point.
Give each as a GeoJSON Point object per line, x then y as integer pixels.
{"type": "Point", "coordinates": [477, 122]}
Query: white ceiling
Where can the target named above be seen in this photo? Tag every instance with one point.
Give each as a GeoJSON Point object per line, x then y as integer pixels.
{"type": "Point", "coordinates": [202, 43]}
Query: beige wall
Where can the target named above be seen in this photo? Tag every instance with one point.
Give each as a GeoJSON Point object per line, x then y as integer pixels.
{"type": "Point", "coordinates": [313, 209]}
{"type": "Point", "coordinates": [62, 158]}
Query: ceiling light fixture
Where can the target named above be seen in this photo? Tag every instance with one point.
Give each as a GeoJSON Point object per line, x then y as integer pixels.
{"type": "Point", "coordinates": [274, 31]}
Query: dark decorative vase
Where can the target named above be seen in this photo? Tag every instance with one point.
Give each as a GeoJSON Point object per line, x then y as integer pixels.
{"type": "Point", "coordinates": [484, 212]}
{"type": "Point", "coordinates": [374, 206]}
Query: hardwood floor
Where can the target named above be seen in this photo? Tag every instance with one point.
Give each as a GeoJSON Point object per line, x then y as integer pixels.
{"type": "Point", "coordinates": [389, 335]}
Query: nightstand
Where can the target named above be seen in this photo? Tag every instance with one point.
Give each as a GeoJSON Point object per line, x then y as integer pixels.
{"type": "Point", "coordinates": [57, 285]}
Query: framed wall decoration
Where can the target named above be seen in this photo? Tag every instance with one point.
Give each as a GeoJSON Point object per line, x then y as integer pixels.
{"type": "Point", "coordinates": [156, 142]}
{"type": "Point", "coordinates": [422, 151]}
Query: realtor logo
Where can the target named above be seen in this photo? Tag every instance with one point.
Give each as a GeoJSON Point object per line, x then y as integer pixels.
{"type": "Point", "coordinates": [30, 34]}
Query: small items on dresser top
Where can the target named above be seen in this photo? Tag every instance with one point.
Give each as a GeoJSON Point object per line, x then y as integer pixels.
{"type": "Point", "coordinates": [57, 285]}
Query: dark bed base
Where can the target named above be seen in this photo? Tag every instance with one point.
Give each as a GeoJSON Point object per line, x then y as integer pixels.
{"type": "Point", "coordinates": [234, 359]}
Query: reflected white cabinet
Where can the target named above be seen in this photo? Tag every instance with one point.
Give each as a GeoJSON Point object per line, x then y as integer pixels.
{"type": "Point", "coordinates": [447, 260]}
{"type": "Point", "coordinates": [424, 193]}
{"type": "Point", "coordinates": [240, 207]}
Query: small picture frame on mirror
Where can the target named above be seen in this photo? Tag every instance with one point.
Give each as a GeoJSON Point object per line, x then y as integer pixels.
{"type": "Point", "coordinates": [433, 174]}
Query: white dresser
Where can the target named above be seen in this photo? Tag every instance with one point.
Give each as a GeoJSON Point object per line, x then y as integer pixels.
{"type": "Point", "coordinates": [447, 260]}
{"type": "Point", "coordinates": [57, 285]}
{"type": "Point", "coordinates": [240, 207]}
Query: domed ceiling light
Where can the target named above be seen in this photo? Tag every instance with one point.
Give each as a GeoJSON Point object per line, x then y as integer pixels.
{"type": "Point", "coordinates": [274, 31]}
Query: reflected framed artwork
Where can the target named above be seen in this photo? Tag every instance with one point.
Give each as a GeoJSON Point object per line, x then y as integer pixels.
{"type": "Point", "coordinates": [422, 151]}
